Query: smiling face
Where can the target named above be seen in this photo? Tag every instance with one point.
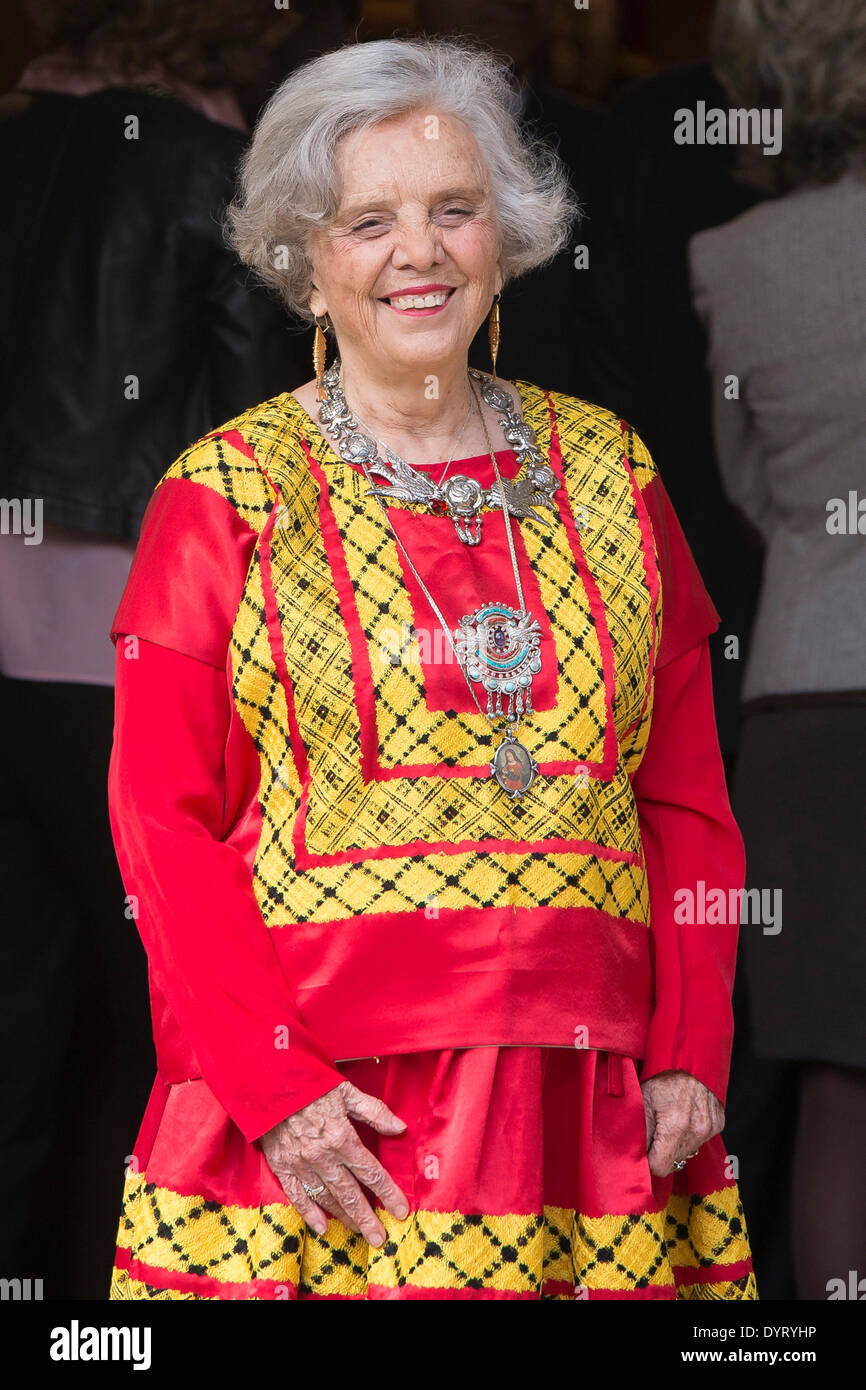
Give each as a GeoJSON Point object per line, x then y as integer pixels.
{"type": "Point", "coordinates": [409, 268]}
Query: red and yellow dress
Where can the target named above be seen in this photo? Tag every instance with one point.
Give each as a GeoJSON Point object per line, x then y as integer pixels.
{"type": "Point", "coordinates": [329, 885]}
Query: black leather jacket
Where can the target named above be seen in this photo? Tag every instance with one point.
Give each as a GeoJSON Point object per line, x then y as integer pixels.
{"type": "Point", "coordinates": [129, 327]}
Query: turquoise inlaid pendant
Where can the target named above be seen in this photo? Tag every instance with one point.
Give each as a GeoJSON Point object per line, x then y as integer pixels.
{"type": "Point", "coordinates": [499, 648]}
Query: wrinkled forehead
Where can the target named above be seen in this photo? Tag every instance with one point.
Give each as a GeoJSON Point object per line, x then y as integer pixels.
{"type": "Point", "coordinates": [415, 155]}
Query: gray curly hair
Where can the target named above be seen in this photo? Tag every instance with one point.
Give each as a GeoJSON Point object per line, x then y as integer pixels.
{"type": "Point", "coordinates": [288, 184]}
{"type": "Point", "coordinates": [810, 60]}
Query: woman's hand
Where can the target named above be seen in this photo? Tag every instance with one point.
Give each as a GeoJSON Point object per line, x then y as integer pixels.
{"type": "Point", "coordinates": [681, 1114]}
{"type": "Point", "coordinates": [320, 1145]}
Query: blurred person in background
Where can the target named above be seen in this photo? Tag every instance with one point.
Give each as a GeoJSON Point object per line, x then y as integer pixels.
{"type": "Point", "coordinates": [640, 348]}
{"type": "Point", "coordinates": [782, 289]}
{"type": "Point", "coordinates": [541, 342]}
{"type": "Point", "coordinates": [130, 328]}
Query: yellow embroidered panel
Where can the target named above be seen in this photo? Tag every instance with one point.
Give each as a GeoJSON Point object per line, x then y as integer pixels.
{"type": "Point", "coordinates": [466, 843]}
{"type": "Point", "coordinates": [408, 732]}
{"type": "Point", "coordinates": [516, 1253]}
{"type": "Point", "coordinates": [216, 463]}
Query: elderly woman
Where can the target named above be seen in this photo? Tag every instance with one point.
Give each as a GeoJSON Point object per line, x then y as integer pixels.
{"type": "Point", "coordinates": [433, 1017]}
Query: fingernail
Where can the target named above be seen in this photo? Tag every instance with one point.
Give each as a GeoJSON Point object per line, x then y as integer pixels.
{"type": "Point", "coordinates": [319, 1226]}
{"type": "Point", "coordinates": [401, 1211]}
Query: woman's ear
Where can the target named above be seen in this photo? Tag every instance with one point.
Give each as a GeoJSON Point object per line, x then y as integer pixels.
{"type": "Point", "coordinates": [316, 302]}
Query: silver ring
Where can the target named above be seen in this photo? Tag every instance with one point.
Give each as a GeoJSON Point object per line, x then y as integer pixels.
{"type": "Point", "coordinates": [313, 1192]}
{"type": "Point", "coordinates": [679, 1163]}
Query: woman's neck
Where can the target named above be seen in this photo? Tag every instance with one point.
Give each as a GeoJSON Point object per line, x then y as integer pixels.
{"type": "Point", "coordinates": [415, 411]}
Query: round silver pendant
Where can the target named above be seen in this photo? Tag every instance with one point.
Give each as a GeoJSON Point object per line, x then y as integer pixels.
{"type": "Point", "coordinates": [357, 448]}
{"type": "Point", "coordinates": [513, 766]}
{"type": "Point", "coordinates": [498, 647]}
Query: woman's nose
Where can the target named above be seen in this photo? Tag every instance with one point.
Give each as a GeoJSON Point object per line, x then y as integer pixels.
{"type": "Point", "coordinates": [416, 244]}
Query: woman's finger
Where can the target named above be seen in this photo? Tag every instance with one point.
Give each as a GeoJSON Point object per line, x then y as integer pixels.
{"type": "Point", "coordinates": [372, 1111]}
{"type": "Point", "coordinates": [326, 1200]}
{"type": "Point", "coordinates": [675, 1141]}
{"type": "Point", "coordinates": [303, 1204]}
{"type": "Point", "coordinates": [650, 1117]}
{"type": "Point", "coordinates": [672, 1139]}
{"type": "Point", "coordinates": [662, 1152]}
{"type": "Point", "coordinates": [347, 1192]}
{"type": "Point", "coordinates": [681, 1115]}
{"type": "Point", "coordinates": [369, 1171]}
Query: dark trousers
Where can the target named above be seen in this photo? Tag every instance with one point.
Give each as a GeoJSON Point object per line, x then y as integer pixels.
{"type": "Point", "coordinates": [760, 1128]}
{"type": "Point", "coordinates": [74, 1022]}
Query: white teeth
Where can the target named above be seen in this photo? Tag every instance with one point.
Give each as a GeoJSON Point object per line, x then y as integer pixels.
{"type": "Point", "coordinates": [419, 301]}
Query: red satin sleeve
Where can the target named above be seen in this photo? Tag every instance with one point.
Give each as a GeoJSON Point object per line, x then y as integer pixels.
{"type": "Point", "coordinates": [212, 962]}
{"type": "Point", "coordinates": [689, 836]}
{"type": "Point", "coordinates": [689, 614]}
{"type": "Point", "coordinates": [188, 572]}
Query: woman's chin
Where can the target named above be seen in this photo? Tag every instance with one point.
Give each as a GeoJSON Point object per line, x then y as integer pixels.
{"type": "Point", "coordinates": [422, 347]}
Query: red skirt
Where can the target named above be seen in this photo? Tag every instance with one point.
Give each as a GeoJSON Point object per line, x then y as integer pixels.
{"type": "Point", "coordinates": [527, 1177]}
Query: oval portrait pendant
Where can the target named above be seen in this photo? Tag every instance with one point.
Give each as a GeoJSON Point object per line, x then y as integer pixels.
{"type": "Point", "coordinates": [513, 766]}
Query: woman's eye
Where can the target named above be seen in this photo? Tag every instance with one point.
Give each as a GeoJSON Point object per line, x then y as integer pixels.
{"type": "Point", "coordinates": [375, 224]}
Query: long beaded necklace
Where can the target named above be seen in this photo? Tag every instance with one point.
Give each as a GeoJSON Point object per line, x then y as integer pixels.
{"type": "Point", "coordinates": [496, 646]}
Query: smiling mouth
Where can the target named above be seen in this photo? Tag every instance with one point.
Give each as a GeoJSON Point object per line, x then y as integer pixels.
{"type": "Point", "coordinates": [429, 303]}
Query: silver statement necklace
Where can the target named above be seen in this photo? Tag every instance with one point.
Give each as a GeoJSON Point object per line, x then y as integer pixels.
{"type": "Point", "coordinates": [462, 499]}
{"type": "Point", "coordinates": [443, 474]}
{"type": "Point", "coordinates": [496, 647]}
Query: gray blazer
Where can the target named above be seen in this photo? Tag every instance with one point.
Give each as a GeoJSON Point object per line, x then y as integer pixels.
{"type": "Point", "coordinates": [782, 293]}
